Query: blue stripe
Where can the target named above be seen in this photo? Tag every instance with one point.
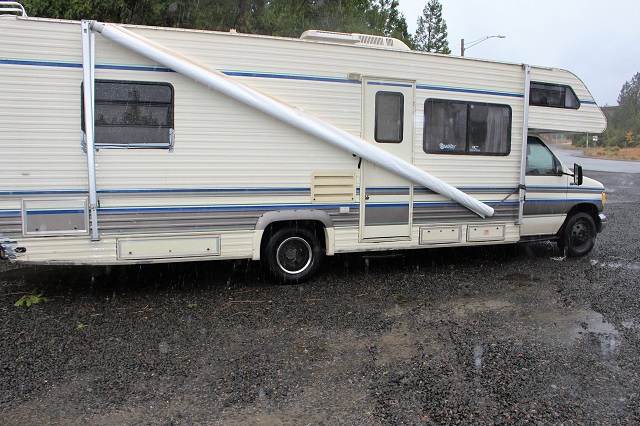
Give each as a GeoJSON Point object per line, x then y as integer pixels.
{"type": "Point", "coordinates": [157, 191]}
{"type": "Point", "coordinates": [288, 77]}
{"type": "Point", "coordinates": [253, 74]}
{"type": "Point", "coordinates": [570, 188]}
{"type": "Point", "coordinates": [40, 63]}
{"type": "Point", "coordinates": [475, 91]}
{"type": "Point", "coordinates": [568, 200]}
{"type": "Point", "coordinates": [223, 208]}
{"type": "Point", "coordinates": [380, 83]}
{"type": "Point", "coordinates": [32, 212]}
{"type": "Point", "coordinates": [266, 75]}
{"type": "Point", "coordinates": [249, 190]}
{"type": "Point", "coordinates": [133, 68]}
{"type": "Point", "coordinates": [78, 65]}
{"type": "Point", "coordinates": [49, 192]}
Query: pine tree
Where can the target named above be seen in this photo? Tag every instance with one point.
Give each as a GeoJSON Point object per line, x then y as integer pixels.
{"type": "Point", "coordinates": [629, 96]}
{"type": "Point", "coordinates": [431, 35]}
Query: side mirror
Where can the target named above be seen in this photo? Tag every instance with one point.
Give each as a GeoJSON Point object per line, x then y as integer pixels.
{"type": "Point", "coordinates": [577, 174]}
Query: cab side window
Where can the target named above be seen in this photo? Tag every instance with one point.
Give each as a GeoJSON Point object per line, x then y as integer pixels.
{"type": "Point", "coordinates": [540, 160]}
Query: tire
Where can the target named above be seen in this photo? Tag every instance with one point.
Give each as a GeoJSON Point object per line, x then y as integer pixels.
{"type": "Point", "coordinates": [293, 255]}
{"type": "Point", "coordinates": [579, 235]}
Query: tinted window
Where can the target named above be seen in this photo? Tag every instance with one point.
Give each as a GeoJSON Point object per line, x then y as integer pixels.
{"type": "Point", "coordinates": [454, 127]}
{"type": "Point", "coordinates": [133, 114]}
{"type": "Point", "coordinates": [553, 95]}
{"type": "Point", "coordinates": [389, 117]}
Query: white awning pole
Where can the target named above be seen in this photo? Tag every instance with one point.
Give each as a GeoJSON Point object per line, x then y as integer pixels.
{"type": "Point", "coordinates": [88, 60]}
{"type": "Point", "coordinates": [525, 134]}
{"type": "Point", "coordinates": [286, 113]}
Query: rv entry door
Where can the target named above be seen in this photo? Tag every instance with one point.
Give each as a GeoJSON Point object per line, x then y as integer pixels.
{"type": "Point", "coordinates": [387, 123]}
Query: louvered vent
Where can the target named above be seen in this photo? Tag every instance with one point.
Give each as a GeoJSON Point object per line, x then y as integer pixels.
{"type": "Point", "coordinates": [357, 39]}
{"type": "Point", "coordinates": [333, 187]}
{"type": "Point", "coordinates": [373, 40]}
{"type": "Point", "coordinates": [388, 42]}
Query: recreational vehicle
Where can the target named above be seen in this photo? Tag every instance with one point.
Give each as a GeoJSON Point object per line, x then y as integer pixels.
{"type": "Point", "coordinates": [124, 144]}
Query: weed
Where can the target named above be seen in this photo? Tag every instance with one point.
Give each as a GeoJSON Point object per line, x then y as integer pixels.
{"type": "Point", "coordinates": [31, 299]}
{"type": "Point", "coordinates": [80, 326]}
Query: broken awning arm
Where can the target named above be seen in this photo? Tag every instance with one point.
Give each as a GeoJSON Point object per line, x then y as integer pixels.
{"type": "Point", "coordinates": [286, 113]}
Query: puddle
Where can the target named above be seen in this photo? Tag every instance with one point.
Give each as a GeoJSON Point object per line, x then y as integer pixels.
{"type": "Point", "coordinates": [633, 266]}
{"type": "Point", "coordinates": [593, 322]}
{"type": "Point", "coordinates": [478, 351]}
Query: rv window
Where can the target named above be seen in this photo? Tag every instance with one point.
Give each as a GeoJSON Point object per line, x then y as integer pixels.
{"type": "Point", "coordinates": [455, 127]}
{"type": "Point", "coordinates": [133, 114]}
{"type": "Point", "coordinates": [553, 95]}
{"type": "Point", "coordinates": [389, 117]}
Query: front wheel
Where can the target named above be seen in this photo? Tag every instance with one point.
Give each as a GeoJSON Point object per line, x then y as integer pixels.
{"type": "Point", "coordinates": [293, 255]}
{"type": "Point", "coordinates": [579, 235]}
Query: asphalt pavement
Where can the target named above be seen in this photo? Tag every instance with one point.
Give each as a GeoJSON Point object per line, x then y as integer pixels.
{"type": "Point", "coordinates": [570, 156]}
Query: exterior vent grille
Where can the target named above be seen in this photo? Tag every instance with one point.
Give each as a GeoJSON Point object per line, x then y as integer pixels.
{"type": "Point", "coordinates": [354, 39]}
{"type": "Point", "coordinates": [375, 41]}
{"type": "Point", "coordinates": [333, 187]}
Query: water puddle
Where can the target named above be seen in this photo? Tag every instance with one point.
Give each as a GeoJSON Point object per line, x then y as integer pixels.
{"type": "Point", "coordinates": [478, 351]}
{"type": "Point", "coordinates": [633, 266]}
{"type": "Point", "coordinates": [593, 322]}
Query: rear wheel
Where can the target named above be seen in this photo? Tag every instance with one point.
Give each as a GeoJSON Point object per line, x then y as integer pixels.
{"type": "Point", "coordinates": [579, 235]}
{"type": "Point", "coordinates": [293, 255]}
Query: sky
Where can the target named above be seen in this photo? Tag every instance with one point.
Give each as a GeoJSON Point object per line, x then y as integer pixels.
{"type": "Point", "coordinates": [597, 40]}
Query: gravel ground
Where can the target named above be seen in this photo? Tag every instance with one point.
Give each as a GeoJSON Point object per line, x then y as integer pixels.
{"type": "Point", "coordinates": [502, 335]}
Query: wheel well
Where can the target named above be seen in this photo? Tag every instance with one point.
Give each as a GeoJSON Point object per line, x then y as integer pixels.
{"type": "Point", "coordinates": [314, 226]}
{"type": "Point", "coordinates": [587, 208]}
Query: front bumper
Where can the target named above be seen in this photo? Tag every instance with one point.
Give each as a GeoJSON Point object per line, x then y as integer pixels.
{"type": "Point", "coordinates": [602, 222]}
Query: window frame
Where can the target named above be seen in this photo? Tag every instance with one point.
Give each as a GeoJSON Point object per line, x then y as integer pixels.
{"type": "Point", "coordinates": [133, 145]}
{"type": "Point", "coordinates": [376, 122]}
{"type": "Point", "coordinates": [467, 148]}
{"type": "Point", "coordinates": [565, 89]}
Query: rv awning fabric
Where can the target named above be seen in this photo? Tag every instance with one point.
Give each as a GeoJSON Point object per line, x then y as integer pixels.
{"type": "Point", "coordinates": [286, 113]}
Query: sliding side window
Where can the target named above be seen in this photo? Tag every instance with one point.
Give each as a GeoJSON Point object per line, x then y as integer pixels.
{"type": "Point", "coordinates": [133, 114]}
{"type": "Point", "coordinates": [456, 127]}
{"type": "Point", "coordinates": [553, 95]}
{"type": "Point", "coordinates": [389, 117]}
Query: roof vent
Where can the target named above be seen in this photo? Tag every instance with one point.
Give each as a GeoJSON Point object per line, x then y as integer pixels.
{"type": "Point", "coordinates": [11, 7]}
{"type": "Point", "coordinates": [354, 39]}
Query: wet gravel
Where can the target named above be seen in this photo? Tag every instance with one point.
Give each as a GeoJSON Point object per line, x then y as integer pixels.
{"type": "Point", "coordinates": [493, 335]}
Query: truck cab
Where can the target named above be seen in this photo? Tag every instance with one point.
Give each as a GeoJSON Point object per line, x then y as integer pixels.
{"type": "Point", "coordinates": [560, 204]}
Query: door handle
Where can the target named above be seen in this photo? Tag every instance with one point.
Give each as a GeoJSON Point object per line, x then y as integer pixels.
{"type": "Point", "coordinates": [366, 197]}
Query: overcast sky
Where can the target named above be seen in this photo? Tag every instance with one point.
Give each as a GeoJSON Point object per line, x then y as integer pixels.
{"type": "Point", "coordinates": [598, 40]}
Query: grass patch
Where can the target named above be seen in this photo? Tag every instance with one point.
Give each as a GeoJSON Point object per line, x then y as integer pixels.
{"type": "Point", "coordinates": [31, 299]}
{"type": "Point", "coordinates": [615, 153]}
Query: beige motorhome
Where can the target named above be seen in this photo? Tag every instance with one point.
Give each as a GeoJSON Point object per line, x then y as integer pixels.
{"type": "Point", "coordinates": [125, 144]}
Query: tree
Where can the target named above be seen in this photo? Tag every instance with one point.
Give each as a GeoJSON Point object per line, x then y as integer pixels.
{"type": "Point", "coordinates": [269, 17]}
{"type": "Point", "coordinates": [385, 19]}
{"type": "Point", "coordinates": [431, 35]}
{"type": "Point", "coordinates": [624, 120]}
{"type": "Point", "coordinates": [629, 96]}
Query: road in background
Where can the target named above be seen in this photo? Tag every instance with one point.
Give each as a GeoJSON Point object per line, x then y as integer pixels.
{"type": "Point", "coordinates": [570, 156]}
